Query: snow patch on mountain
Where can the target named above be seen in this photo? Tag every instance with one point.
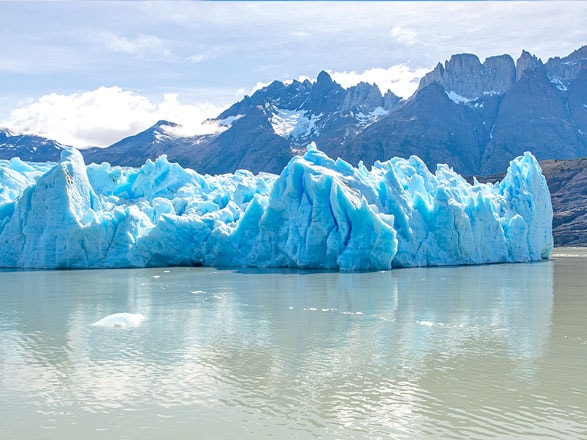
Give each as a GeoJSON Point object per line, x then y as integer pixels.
{"type": "Point", "coordinates": [457, 99]}
{"type": "Point", "coordinates": [558, 83]}
{"type": "Point", "coordinates": [227, 122]}
{"type": "Point", "coordinates": [371, 117]}
{"type": "Point", "coordinates": [294, 124]}
{"type": "Point", "coordinates": [284, 122]}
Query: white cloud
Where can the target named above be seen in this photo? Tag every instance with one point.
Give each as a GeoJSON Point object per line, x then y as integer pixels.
{"type": "Point", "coordinates": [402, 35]}
{"type": "Point", "coordinates": [260, 85]}
{"type": "Point", "coordinates": [198, 58]}
{"type": "Point", "coordinates": [142, 45]}
{"type": "Point", "coordinates": [103, 116]}
{"type": "Point", "coordinates": [400, 79]}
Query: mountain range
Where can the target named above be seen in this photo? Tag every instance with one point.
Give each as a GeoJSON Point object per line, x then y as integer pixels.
{"type": "Point", "coordinates": [474, 116]}
{"type": "Point", "coordinates": [262, 132]}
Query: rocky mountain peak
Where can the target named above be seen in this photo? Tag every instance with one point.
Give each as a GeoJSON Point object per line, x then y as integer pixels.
{"type": "Point", "coordinates": [527, 61]}
{"type": "Point", "coordinates": [579, 54]}
{"type": "Point", "coordinates": [324, 80]}
{"type": "Point", "coordinates": [164, 123]}
{"type": "Point", "coordinates": [5, 134]}
{"type": "Point", "coordinates": [466, 76]}
{"type": "Point", "coordinates": [569, 67]}
{"type": "Point", "coordinates": [323, 96]}
{"type": "Point", "coordinates": [363, 97]}
{"type": "Point", "coordinates": [390, 100]}
{"type": "Point", "coordinates": [326, 95]}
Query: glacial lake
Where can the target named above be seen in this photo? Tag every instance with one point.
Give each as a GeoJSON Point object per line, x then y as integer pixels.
{"type": "Point", "coordinates": [497, 351]}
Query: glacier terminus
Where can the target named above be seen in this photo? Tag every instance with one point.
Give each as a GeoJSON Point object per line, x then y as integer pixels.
{"type": "Point", "coordinates": [318, 213]}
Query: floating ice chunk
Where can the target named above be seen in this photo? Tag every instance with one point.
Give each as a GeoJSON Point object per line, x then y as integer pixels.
{"type": "Point", "coordinates": [430, 323]}
{"type": "Point", "coordinates": [120, 320]}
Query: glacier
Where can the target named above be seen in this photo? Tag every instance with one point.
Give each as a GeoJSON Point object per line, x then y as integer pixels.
{"type": "Point", "coordinates": [318, 213]}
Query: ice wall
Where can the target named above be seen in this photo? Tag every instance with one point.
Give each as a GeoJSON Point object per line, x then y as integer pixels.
{"type": "Point", "coordinates": [319, 213]}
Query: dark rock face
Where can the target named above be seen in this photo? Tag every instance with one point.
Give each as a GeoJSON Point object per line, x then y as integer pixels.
{"type": "Point", "coordinates": [431, 126]}
{"type": "Point", "coordinates": [533, 116]}
{"type": "Point", "coordinates": [569, 67]}
{"type": "Point", "coordinates": [249, 144]}
{"type": "Point", "coordinates": [567, 181]}
{"type": "Point", "coordinates": [466, 76]}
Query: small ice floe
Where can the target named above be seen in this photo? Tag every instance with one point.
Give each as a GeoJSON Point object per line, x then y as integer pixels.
{"type": "Point", "coordinates": [120, 320]}
{"type": "Point", "coordinates": [197, 292]}
{"type": "Point", "coordinates": [430, 323]}
{"type": "Point", "coordinates": [352, 313]}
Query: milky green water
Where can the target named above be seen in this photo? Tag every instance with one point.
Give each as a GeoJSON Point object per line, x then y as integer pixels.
{"type": "Point", "coordinates": [460, 352]}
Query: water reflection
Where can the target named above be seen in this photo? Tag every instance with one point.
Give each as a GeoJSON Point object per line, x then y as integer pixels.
{"type": "Point", "coordinates": [460, 351]}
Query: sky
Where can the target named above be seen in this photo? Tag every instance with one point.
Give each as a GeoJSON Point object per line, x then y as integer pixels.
{"type": "Point", "coordinates": [93, 72]}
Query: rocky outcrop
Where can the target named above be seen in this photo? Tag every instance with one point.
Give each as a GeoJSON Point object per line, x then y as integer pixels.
{"type": "Point", "coordinates": [465, 75]}
{"type": "Point", "coordinates": [533, 116]}
{"type": "Point", "coordinates": [569, 67]}
{"type": "Point", "coordinates": [567, 181]}
{"type": "Point", "coordinates": [527, 61]}
{"type": "Point", "coordinates": [425, 126]}
{"type": "Point", "coordinates": [363, 97]}
{"type": "Point", "coordinates": [152, 143]}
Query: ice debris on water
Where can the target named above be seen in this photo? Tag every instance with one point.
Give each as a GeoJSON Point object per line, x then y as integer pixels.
{"type": "Point", "coordinates": [120, 320]}
{"type": "Point", "coordinates": [318, 213]}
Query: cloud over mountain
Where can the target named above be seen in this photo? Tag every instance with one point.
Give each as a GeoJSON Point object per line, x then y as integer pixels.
{"type": "Point", "coordinates": [103, 116]}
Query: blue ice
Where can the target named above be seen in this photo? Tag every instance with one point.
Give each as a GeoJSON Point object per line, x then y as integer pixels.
{"type": "Point", "coordinates": [318, 213]}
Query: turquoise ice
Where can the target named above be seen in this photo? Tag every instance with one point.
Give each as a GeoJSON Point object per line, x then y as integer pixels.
{"type": "Point", "coordinates": [318, 213]}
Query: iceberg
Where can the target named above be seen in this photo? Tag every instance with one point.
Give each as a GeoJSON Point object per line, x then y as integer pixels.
{"type": "Point", "coordinates": [120, 320]}
{"type": "Point", "coordinates": [318, 213]}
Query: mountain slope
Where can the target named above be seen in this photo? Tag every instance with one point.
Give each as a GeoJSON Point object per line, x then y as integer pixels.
{"type": "Point", "coordinates": [433, 127]}
{"type": "Point", "coordinates": [322, 112]}
{"type": "Point", "coordinates": [264, 131]}
{"type": "Point", "coordinates": [29, 147]}
{"type": "Point", "coordinates": [135, 150]}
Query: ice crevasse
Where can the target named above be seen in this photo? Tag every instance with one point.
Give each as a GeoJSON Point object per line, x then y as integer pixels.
{"type": "Point", "coordinates": [318, 213]}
